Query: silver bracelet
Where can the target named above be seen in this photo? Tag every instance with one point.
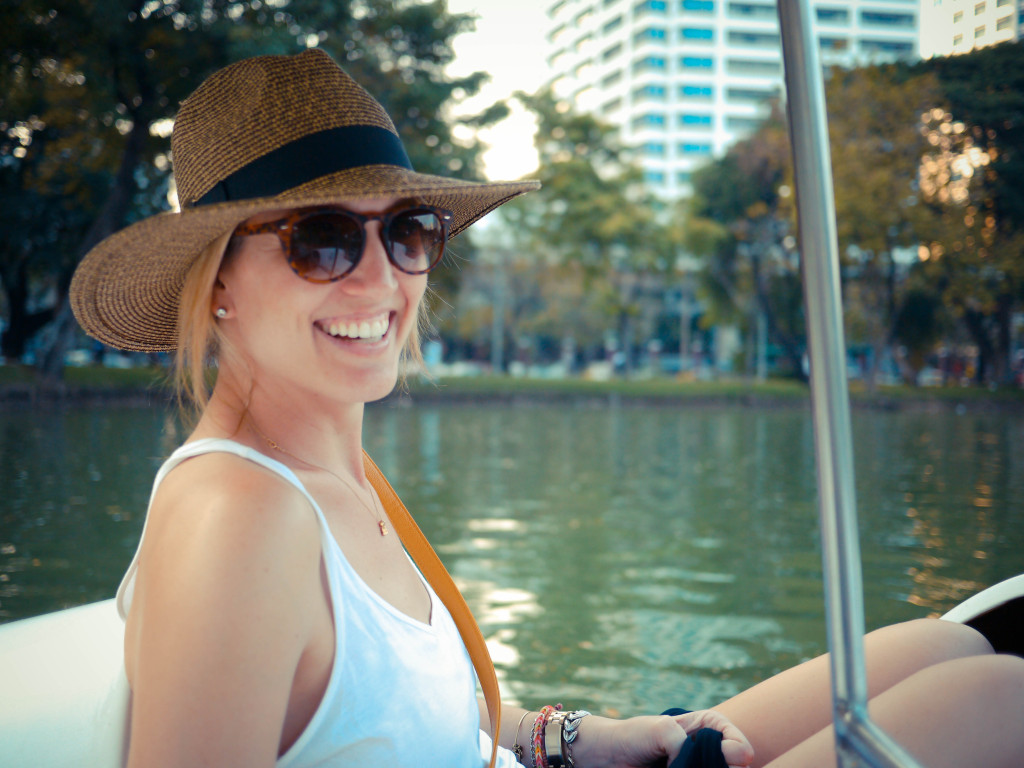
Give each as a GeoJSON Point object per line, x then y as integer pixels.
{"type": "Point", "coordinates": [554, 750]}
{"type": "Point", "coordinates": [570, 730]}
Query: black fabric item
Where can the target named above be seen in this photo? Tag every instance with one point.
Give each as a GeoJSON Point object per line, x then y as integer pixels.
{"type": "Point", "coordinates": [308, 158]}
{"type": "Point", "coordinates": [702, 749]}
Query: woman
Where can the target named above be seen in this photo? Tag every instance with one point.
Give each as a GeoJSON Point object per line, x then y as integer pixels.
{"type": "Point", "coordinates": [271, 615]}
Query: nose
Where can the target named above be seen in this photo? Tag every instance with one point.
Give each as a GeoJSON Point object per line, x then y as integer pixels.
{"type": "Point", "coordinates": [374, 270]}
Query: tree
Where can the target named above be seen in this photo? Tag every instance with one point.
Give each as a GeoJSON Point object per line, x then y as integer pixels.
{"type": "Point", "coordinates": [975, 253]}
{"type": "Point", "coordinates": [88, 87]}
{"type": "Point", "coordinates": [877, 150]}
{"type": "Point", "coordinates": [595, 219]}
{"type": "Point", "coordinates": [738, 221]}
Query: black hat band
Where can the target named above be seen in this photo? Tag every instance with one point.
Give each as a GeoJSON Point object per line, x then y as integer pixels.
{"type": "Point", "coordinates": [308, 158]}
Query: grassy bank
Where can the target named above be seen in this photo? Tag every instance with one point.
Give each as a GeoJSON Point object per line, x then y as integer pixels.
{"type": "Point", "coordinates": [19, 383]}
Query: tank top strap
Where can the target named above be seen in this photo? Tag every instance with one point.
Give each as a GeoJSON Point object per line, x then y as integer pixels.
{"type": "Point", "coordinates": [199, 448]}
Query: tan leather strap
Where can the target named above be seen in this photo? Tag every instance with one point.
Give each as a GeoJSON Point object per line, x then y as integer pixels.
{"type": "Point", "coordinates": [433, 570]}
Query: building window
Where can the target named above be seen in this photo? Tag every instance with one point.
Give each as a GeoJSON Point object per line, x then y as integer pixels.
{"type": "Point", "coordinates": [833, 44]}
{"type": "Point", "coordinates": [683, 177]}
{"type": "Point", "coordinates": [583, 17]}
{"type": "Point", "coordinates": [583, 42]}
{"type": "Point", "coordinates": [650, 93]}
{"type": "Point", "coordinates": [696, 62]}
{"type": "Point", "coordinates": [888, 47]}
{"type": "Point", "coordinates": [612, 52]}
{"type": "Point", "coordinates": [651, 6]}
{"type": "Point", "coordinates": [611, 79]}
{"type": "Point", "coordinates": [610, 106]}
{"type": "Point", "coordinates": [979, 9]}
{"type": "Point", "coordinates": [651, 35]}
{"type": "Point", "coordinates": [649, 64]}
{"type": "Point", "coordinates": [695, 149]}
{"type": "Point", "coordinates": [1004, 23]}
{"type": "Point", "coordinates": [696, 91]}
{"type": "Point", "coordinates": [755, 95]}
{"type": "Point", "coordinates": [754, 39]}
{"type": "Point", "coordinates": [697, 34]}
{"type": "Point", "coordinates": [958, 39]}
{"type": "Point", "coordinates": [833, 15]}
{"type": "Point", "coordinates": [752, 67]}
{"type": "Point", "coordinates": [654, 177]}
{"type": "Point", "coordinates": [958, 17]}
{"type": "Point", "coordinates": [688, 120]}
{"type": "Point", "coordinates": [880, 19]}
{"type": "Point", "coordinates": [650, 120]}
{"type": "Point", "coordinates": [753, 11]}
{"type": "Point", "coordinates": [699, 6]}
{"type": "Point", "coordinates": [612, 25]}
{"type": "Point", "coordinates": [654, 149]}
{"type": "Point", "coordinates": [979, 32]}
{"type": "Point", "coordinates": [1001, 3]}
{"type": "Point", "coordinates": [743, 124]}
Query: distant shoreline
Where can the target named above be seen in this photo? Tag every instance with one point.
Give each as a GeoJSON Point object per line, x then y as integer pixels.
{"type": "Point", "coordinates": [149, 387]}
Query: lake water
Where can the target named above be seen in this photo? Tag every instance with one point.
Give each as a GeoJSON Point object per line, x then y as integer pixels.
{"type": "Point", "coordinates": [620, 558]}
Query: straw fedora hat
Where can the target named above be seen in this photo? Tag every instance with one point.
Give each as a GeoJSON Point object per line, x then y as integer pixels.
{"type": "Point", "coordinates": [265, 133]}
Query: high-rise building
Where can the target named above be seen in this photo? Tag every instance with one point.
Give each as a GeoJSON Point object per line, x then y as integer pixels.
{"type": "Point", "coordinates": [684, 79]}
{"type": "Point", "coordinates": [959, 26]}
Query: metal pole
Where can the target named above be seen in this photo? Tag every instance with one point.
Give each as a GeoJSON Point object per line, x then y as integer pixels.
{"type": "Point", "coordinates": [856, 735]}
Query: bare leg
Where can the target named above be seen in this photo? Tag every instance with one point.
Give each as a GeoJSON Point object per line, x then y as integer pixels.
{"type": "Point", "coordinates": [784, 711]}
{"type": "Point", "coordinates": [965, 712]}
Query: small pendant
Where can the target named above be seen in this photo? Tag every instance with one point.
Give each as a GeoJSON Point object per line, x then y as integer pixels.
{"type": "Point", "coordinates": [383, 528]}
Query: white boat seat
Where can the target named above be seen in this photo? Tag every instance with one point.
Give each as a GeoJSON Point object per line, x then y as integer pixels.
{"type": "Point", "coordinates": [64, 697]}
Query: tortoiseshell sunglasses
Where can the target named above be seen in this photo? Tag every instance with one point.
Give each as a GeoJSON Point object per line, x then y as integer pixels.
{"type": "Point", "coordinates": [324, 244]}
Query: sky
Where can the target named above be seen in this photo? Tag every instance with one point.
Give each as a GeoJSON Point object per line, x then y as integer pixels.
{"type": "Point", "coordinates": [509, 45]}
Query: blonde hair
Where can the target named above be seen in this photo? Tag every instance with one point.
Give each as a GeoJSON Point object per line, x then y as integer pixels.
{"type": "Point", "coordinates": [199, 338]}
{"type": "Point", "coordinates": [200, 341]}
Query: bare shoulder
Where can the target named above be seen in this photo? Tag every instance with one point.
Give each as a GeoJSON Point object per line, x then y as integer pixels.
{"type": "Point", "coordinates": [234, 537]}
{"type": "Point", "coordinates": [228, 602]}
{"type": "Point", "coordinates": [220, 499]}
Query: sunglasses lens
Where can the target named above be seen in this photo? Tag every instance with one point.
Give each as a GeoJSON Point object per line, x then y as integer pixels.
{"type": "Point", "coordinates": [325, 246]}
{"type": "Point", "coordinates": [416, 238]}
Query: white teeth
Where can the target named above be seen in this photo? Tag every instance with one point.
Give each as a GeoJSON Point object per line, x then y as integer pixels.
{"type": "Point", "coordinates": [365, 329]}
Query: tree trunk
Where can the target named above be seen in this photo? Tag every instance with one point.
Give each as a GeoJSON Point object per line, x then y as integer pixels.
{"type": "Point", "coordinates": [790, 346]}
{"type": "Point", "coordinates": [51, 360]}
{"type": "Point", "coordinates": [22, 324]}
{"type": "Point", "coordinates": [975, 323]}
{"type": "Point", "coordinates": [1003, 364]}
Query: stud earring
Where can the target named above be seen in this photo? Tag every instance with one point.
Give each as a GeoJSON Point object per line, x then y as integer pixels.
{"type": "Point", "coordinates": [221, 312]}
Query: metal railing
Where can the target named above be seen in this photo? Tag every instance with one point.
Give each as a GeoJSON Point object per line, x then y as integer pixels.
{"type": "Point", "coordinates": [859, 741]}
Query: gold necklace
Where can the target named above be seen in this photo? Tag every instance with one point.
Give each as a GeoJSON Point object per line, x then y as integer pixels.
{"type": "Point", "coordinates": [381, 523]}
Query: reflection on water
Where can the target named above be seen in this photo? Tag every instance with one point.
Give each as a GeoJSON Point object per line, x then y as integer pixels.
{"type": "Point", "coordinates": [621, 558]}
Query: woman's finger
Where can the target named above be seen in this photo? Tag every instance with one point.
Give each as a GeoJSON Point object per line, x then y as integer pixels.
{"type": "Point", "coordinates": [737, 753]}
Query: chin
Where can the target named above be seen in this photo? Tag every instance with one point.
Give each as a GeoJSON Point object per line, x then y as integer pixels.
{"type": "Point", "coordinates": [376, 386]}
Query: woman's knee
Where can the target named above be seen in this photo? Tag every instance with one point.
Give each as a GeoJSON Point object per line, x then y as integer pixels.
{"type": "Point", "coordinates": [931, 641]}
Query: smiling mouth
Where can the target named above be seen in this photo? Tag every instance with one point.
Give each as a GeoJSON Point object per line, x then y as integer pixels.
{"type": "Point", "coordinates": [373, 329]}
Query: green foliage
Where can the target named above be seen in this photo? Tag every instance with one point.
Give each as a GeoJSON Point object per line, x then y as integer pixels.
{"type": "Point", "coordinates": [974, 253]}
{"type": "Point", "coordinates": [985, 89]}
{"type": "Point", "coordinates": [925, 158]}
{"type": "Point", "coordinates": [596, 223]}
{"type": "Point", "coordinates": [739, 223]}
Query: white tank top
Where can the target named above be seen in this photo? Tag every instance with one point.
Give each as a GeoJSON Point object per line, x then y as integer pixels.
{"type": "Point", "coordinates": [401, 693]}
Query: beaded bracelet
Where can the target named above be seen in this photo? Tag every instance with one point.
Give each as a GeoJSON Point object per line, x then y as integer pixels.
{"type": "Point", "coordinates": [537, 740]}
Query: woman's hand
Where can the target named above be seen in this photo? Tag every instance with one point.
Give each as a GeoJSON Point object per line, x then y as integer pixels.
{"type": "Point", "coordinates": [643, 742]}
